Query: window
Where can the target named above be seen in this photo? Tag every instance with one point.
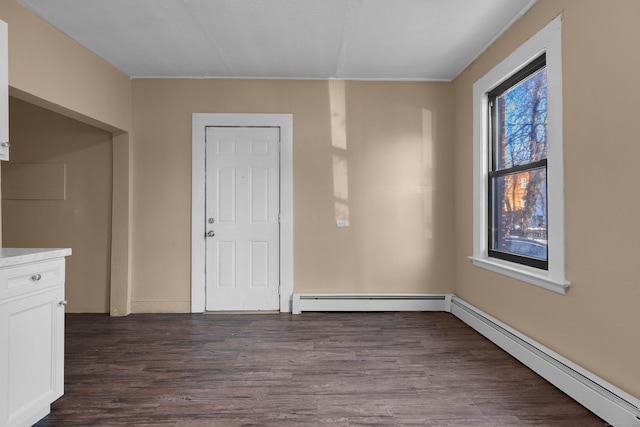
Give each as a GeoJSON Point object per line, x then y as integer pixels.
{"type": "Point", "coordinates": [517, 196]}
{"type": "Point", "coordinates": [518, 164]}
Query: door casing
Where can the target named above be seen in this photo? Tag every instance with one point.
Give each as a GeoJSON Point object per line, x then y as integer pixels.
{"type": "Point", "coordinates": [200, 121]}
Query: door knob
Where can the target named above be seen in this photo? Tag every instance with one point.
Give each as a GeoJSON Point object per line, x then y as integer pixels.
{"type": "Point", "coordinates": [211, 233]}
{"type": "Point", "coordinates": [63, 302]}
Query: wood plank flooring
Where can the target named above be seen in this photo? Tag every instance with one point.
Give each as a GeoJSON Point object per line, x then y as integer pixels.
{"type": "Point", "coordinates": [327, 369]}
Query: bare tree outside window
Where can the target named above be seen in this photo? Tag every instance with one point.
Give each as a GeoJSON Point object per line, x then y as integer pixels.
{"type": "Point", "coordinates": [518, 176]}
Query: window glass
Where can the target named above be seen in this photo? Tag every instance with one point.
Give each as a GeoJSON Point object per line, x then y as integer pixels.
{"type": "Point", "coordinates": [518, 175]}
{"type": "Point", "coordinates": [522, 132]}
{"type": "Point", "coordinates": [521, 221]}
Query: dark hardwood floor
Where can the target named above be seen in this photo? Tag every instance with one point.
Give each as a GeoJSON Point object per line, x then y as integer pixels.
{"type": "Point", "coordinates": [329, 369]}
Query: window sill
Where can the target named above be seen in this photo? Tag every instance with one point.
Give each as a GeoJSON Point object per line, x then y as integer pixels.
{"type": "Point", "coordinates": [522, 273]}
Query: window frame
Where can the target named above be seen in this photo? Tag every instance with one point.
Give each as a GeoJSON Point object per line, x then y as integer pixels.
{"type": "Point", "coordinates": [548, 42]}
{"type": "Point", "coordinates": [529, 70]}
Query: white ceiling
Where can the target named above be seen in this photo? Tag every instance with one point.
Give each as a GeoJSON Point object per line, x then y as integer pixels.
{"type": "Point", "coordinates": [306, 39]}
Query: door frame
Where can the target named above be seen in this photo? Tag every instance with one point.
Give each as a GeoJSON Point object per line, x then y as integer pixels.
{"type": "Point", "coordinates": [200, 121]}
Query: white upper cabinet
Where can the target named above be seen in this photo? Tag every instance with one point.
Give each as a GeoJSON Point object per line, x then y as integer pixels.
{"type": "Point", "coordinates": [4, 91]}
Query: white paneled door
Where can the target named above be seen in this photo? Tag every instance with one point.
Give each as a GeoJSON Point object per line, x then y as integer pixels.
{"type": "Point", "coordinates": [242, 218]}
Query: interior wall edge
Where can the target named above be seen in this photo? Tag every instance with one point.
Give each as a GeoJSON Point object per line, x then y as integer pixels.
{"type": "Point", "coordinates": [56, 108]}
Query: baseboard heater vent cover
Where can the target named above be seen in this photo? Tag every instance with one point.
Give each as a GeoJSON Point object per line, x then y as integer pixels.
{"type": "Point", "coordinates": [370, 302]}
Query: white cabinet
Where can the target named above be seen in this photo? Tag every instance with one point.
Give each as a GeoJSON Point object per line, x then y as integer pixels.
{"type": "Point", "coordinates": [4, 91]}
{"type": "Point", "coordinates": [31, 335]}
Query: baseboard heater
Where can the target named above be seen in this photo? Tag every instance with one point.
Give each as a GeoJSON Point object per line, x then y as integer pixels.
{"type": "Point", "coordinates": [370, 302]}
{"type": "Point", "coordinates": [602, 398]}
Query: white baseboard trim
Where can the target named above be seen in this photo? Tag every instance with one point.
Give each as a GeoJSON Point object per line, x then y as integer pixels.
{"type": "Point", "coordinates": [370, 302]}
{"type": "Point", "coordinates": [613, 405]}
{"type": "Point", "coordinates": [160, 306]}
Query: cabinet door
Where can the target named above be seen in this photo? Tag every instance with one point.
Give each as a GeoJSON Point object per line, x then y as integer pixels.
{"type": "Point", "coordinates": [4, 92]}
{"type": "Point", "coordinates": [32, 347]}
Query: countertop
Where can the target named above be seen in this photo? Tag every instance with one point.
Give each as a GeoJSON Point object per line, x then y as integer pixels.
{"type": "Point", "coordinates": [17, 256]}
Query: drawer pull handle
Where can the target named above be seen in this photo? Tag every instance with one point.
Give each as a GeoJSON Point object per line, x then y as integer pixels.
{"type": "Point", "coordinates": [63, 302]}
{"type": "Point", "coordinates": [36, 277]}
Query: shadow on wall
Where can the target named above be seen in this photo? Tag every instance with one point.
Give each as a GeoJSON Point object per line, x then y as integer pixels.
{"type": "Point", "coordinates": [427, 164]}
{"type": "Point", "coordinates": [338, 112]}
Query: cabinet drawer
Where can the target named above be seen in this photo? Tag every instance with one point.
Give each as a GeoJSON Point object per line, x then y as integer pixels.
{"type": "Point", "coordinates": [30, 277]}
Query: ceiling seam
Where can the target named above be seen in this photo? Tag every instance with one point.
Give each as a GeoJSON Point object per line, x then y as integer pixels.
{"type": "Point", "coordinates": [353, 6]}
{"type": "Point", "coordinates": [211, 42]}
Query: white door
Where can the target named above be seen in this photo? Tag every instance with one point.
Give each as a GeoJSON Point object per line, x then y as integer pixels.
{"type": "Point", "coordinates": [242, 211]}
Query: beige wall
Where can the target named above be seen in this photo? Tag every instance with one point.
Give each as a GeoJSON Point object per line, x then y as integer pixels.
{"type": "Point", "coordinates": [48, 68]}
{"type": "Point", "coordinates": [596, 324]}
{"type": "Point", "coordinates": [380, 149]}
{"type": "Point", "coordinates": [70, 209]}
